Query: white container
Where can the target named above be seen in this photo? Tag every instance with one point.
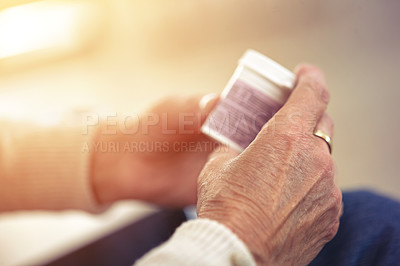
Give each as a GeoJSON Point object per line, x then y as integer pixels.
{"type": "Point", "coordinates": [257, 90]}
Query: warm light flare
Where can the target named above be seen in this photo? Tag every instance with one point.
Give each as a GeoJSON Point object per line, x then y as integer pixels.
{"type": "Point", "coordinates": [43, 25]}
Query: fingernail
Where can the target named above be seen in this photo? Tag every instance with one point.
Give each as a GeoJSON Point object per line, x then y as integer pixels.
{"type": "Point", "coordinates": [207, 102]}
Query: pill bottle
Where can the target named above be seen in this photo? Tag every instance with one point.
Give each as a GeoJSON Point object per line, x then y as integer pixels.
{"type": "Point", "coordinates": [257, 90]}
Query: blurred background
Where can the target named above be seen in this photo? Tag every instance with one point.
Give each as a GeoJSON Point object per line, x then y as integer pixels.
{"type": "Point", "coordinates": [125, 54]}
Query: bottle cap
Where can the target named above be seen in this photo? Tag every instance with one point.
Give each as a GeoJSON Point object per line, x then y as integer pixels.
{"type": "Point", "coordinates": [268, 68]}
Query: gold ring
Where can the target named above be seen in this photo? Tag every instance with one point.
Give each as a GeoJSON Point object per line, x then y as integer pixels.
{"type": "Point", "coordinates": [322, 135]}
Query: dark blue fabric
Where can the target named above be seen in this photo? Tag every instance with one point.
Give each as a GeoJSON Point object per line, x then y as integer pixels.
{"type": "Point", "coordinates": [369, 232]}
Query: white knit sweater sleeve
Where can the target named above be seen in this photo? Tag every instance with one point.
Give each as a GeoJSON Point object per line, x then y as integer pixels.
{"type": "Point", "coordinates": [200, 242]}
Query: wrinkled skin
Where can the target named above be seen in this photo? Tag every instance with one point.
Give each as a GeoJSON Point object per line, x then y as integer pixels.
{"type": "Point", "coordinates": [279, 195]}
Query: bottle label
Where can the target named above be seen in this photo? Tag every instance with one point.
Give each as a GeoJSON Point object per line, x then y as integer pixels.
{"type": "Point", "coordinates": [240, 115]}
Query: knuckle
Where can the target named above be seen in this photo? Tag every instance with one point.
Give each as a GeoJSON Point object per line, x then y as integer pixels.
{"type": "Point", "coordinates": [317, 88]}
{"type": "Point", "coordinates": [333, 205]}
{"type": "Point", "coordinates": [324, 95]}
{"type": "Point", "coordinates": [321, 147]}
{"type": "Point", "coordinates": [328, 165]}
{"type": "Point", "coordinates": [336, 201]}
{"type": "Point", "coordinates": [331, 230]}
{"type": "Point", "coordinates": [325, 162]}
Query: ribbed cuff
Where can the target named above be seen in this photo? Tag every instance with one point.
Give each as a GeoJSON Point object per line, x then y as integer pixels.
{"type": "Point", "coordinates": [200, 242]}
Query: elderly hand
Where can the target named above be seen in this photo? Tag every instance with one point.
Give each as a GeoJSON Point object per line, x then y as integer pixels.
{"type": "Point", "coordinates": [158, 157]}
{"type": "Point", "coordinates": [279, 195]}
